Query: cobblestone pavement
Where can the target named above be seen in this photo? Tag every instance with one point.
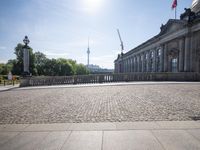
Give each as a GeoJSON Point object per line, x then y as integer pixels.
{"type": "Point", "coordinates": [101, 104]}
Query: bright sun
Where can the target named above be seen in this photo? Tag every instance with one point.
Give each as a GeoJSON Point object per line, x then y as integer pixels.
{"type": "Point", "coordinates": [92, 6]}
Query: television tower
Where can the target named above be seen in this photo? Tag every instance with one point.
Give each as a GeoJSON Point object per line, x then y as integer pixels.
{"type": "Point", "coordinates": [88, 54]}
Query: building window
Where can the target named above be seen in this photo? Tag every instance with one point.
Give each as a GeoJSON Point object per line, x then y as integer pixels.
{"type": "Point", "coordinates": [158, 60]}
{"type": "Point", "coordinates": [151, 68]}
{"type": "Point", "coordinates": [174, 64]}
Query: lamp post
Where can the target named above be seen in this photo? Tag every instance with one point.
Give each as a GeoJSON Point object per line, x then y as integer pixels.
{"type": "Point", "coordinates": [26, 56]}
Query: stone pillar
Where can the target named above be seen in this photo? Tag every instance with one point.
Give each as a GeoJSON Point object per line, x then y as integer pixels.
{"type": "Point", "coordinates": [132, 66]}
{"type": "Point", "coordinates": [181, 55]}
{"type": "Point", "coordinates": [165, 58]}
{"type": "Point", "coordinates": [143, 56]}
{"type": "Point", "coordinates": [26, 60]}
{"type": "Point", "coordinates": [136, 62]}
{"type": "Point", "coordinates": [192, 55]}
{"type": "Point", "coordinates": [147, 61]}
{"type": "Point", "coordinates": [162, 58]}
{"type": "Point", "coordinates": [127, 70]}
{"type": "Point", "coordinates": [138, 65]}
{"type": "Point", "coordinates": [187, 54]}
{"type": "Point", "coordinates": [154, 60]}
{"type": "Point", "coordinates": [125, 66]}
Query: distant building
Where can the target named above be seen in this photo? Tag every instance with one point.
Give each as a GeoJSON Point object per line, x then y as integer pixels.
{"type": "Point", "coordinates": [175, 49]}
{"type": "Point", "coordinates": [95, 69]}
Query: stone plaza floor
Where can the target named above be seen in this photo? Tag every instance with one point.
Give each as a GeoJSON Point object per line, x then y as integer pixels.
{"type": "Point", "coordinates": [117, 116]}
{"type": "Point", "coordinates": [114, 103]}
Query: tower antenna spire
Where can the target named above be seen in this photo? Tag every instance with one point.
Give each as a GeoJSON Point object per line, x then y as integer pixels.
{"type": "Point", "coordinates": [88, 52]}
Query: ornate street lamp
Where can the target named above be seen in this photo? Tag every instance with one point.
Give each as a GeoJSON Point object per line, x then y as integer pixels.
{"type": "Point", "coordinates": [26, 40]}
{"type": "Point", "coordinates": [26, 57]}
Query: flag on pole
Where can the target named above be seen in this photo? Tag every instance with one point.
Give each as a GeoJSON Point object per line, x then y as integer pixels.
{"type": "Point", "coordinates": [174, 4]}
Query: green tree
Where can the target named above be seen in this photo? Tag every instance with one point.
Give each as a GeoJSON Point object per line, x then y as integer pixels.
{"type": "Point", "coordinates": [19, 57]}
{"type": "Point", "coordinates": [40, 62]}
{"type": "Point", "coordinates": [5, 68]}
{"type": "Point", "coordinates": [81, 69]}
{"type": "Point", "coordinates": [65, 67]}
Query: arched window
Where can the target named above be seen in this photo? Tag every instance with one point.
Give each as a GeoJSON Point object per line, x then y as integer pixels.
{"type": "Point", "coordinates": [158, 60]}
{"type": "Point", "coordinates": [174, 63]}
{"type": "Point", "coordinates": [173, 54]}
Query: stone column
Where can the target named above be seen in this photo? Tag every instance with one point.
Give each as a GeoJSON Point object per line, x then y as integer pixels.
{"type": "Point", "coordinates": [26, 59]}
{"type": "Point", "coordinates": [131, 64]}
{"type": "Point", "coordinates": [181, 55]}
{"type": "Point", "coordinates": [154, 60]}
{"type": "Point", "coordinates": [138, 65]}
{"type": "Point", "coordinates": [147, 61]}
{"type": "Point", "coordinates": [125, 66]}
{"type": "Point", "coordinates": [165, 58]}
{"type": "Point", "coordinates": [162, 58]}
{"type": "Point", "coordinates": [187, 54]}
{"type": "Point", "coordinates": [142, 61]}
{"type": "Point", "coordinates": [136, 62]}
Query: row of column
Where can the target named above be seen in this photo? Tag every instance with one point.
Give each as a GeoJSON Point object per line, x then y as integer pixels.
{"type": "Point", "coordinates": [150, 61]}
{"type": "Point", "coordinates": [158, 60]}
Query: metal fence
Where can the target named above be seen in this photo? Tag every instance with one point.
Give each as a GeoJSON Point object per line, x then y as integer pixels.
{"type": "Point", "coordinates": [106, 78]}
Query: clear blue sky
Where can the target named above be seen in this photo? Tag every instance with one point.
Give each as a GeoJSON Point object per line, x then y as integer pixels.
{"type": "Point", "coordinates": [60, 28]}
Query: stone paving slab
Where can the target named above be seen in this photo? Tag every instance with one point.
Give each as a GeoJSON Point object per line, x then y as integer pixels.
{"type": "Point", "coordinates": [84, 140]}
{"type": "Point", "coordinates": [195, 133]}
{"type": "Point", "coordinates": [133, 140]}
{"type": "Point", "coordinates": [54, 141]}
{"type": "Point", "coordinates": [6, 136]}
{"type": "Point", "coordinates": [103, 136]}
{"type": "Point", "coordinates": [48, 127]}
{"type": "Point", "coordinates": [178, 124]}
{"type": "Point", "coordinates": [137, 125]}
{"type": "Point", "coordinates": [24, 141]}
{"type": "Point", "coordinates": [177, 140]}
{"type": "Point", "coordinates": [92, 126]}
{"type": "Point", "coordinates": [13, 127]}
{"type": "Point", "coordinates": [105, 126]}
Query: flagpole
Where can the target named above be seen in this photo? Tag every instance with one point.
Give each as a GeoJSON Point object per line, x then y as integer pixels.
{"type": "Point", "coordinates": [175, 12]}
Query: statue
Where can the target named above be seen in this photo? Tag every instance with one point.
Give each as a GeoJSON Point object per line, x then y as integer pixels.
{"type": "Point", "coordinates": [195, 6]}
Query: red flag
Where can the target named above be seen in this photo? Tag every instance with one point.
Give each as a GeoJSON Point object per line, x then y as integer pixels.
{"type": "Point", "coordinates": [174, 5]}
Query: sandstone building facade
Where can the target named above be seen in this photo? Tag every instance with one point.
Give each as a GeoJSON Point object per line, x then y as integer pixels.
{"type": "Point", "coordinates": [175, 49]}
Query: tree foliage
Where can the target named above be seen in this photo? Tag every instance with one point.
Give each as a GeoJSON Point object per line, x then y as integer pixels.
{"type": "Point", "coordinates": [41, 65]}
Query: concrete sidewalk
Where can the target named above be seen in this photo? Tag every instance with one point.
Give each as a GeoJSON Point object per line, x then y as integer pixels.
{"type": "Point", "coordinates": [8, 87]}
{"type": "Point", "coordinates": [160, 135]}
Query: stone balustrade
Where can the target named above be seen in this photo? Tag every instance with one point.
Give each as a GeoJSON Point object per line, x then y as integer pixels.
{"type": "Point", "coordinates": [106, 78]}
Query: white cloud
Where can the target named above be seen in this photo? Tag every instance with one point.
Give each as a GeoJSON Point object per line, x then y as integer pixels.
{"type": "Point", "coordinates": [3, 61]}
{"type": "Point", "coordinates": [2, 47]}
{"type": "Point", "coordinates": [56, 54]}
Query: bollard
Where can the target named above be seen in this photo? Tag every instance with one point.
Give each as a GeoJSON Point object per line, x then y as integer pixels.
{"type": "Point", "coordinates": [4, 83]}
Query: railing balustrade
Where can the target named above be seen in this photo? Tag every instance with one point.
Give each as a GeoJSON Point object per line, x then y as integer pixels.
{"type": "Point", "coordinates": [106, 78]}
